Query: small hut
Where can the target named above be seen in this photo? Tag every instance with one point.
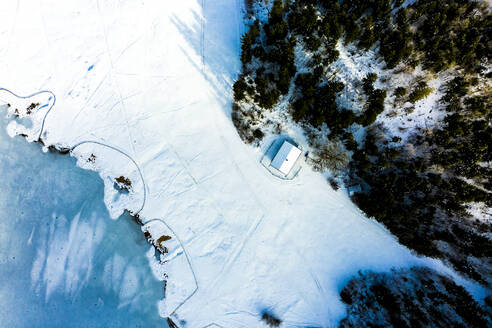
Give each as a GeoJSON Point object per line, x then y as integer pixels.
{"type": "Point", "coordinates": [286, 157]}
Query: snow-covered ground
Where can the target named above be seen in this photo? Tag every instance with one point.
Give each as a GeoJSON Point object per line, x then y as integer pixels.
{"type": "Point", "coordinates": [153, 79]}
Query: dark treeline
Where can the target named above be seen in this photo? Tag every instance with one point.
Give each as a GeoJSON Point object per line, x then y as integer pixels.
{"type": "Point", "coordinates": [418, 190]}
{"type": "Point", "coordinates": [416, 297]}
{"type": "Point", "coordinates": [445, 33]}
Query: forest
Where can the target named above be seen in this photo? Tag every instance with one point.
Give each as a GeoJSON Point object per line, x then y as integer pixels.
{"type": "Point", "coordinates": [418, 189]}
{"type": "Point", "coordinates": [416, 297]}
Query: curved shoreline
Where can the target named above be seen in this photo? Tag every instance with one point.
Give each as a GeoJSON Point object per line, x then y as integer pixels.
{"type": "Point", "coordinates": [32, 95]}
{"type": "Point", "coordinates": [126, 155]}
{"type": "Point", "coordinates": [136, 214]}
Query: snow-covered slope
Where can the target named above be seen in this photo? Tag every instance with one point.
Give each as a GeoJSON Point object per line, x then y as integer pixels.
{"type": "Point", "coordinates": [153, 78]}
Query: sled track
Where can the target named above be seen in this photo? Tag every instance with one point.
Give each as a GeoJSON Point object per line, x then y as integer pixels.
{"type": "Point", "coordinates": [187, 260]}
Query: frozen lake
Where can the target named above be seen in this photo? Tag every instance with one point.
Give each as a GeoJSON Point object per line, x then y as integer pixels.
{"type": "Point", "coordinates": [63, 261]}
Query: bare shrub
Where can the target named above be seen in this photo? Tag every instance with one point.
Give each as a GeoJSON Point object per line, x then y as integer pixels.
{"type": "Point", "coordinates": [31, 107]}
{"type": "Point", "coordinates": [270, 319]}
{"type": "Point", "coordinates": [331, 156]}
{"type": "Point", "coordinates": [242, 127]}
{"type": "Point", "coordinates": [160, 244]}
{"type": "Point", "coordinates": [92, 158]}
{"type": "Point", "coordinates": [124, 183]}
{"type": "Point", "coordinates": [163, 238]}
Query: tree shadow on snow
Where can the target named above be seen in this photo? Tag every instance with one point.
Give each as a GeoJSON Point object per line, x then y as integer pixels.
{"type": "Point", "coordinates": [214, 35]}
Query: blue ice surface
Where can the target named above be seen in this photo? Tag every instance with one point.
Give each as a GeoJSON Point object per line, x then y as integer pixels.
{"type": "Point", "coordinates": [90, 67]}
{"type": "Point", "coordinates": [63, 261]}
{"type": "Point", "coordinates": [45, 105]}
